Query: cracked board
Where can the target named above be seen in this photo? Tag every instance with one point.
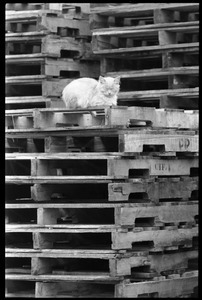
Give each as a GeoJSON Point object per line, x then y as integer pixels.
{"type": "Point", "coordinates": [120, 115]}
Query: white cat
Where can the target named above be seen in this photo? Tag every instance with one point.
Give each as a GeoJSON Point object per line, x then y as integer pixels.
{"type": "Point", "coordinates": [87, 92]}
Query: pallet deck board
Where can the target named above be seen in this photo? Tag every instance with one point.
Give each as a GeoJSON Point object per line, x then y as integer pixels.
{"type": "Point", "coordinates": [137, 9]}
{"type": "Point", "coordinates": [157, 72]}
{"type": "Point", "coordinates": [149, 50]}
{"type": "Point", "coordinates": [156, 94]}
{"type": "Point", "coordinates": [59, 179]}
{"type": "Point", "coordinates": [52, 278]}
{"type": "Point", "coordinates": [134, 29]}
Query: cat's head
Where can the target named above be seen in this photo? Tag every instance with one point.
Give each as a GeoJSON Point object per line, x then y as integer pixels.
{"type": "Point", "coordinates": [109, 86]}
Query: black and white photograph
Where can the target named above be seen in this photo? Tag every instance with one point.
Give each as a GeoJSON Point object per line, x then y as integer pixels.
{"type": "Point", "coordinates": [101, 150]}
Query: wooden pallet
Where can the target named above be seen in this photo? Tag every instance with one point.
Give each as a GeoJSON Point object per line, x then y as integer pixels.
{"type": "Point", "coordinates": [70, 10]}
{"type": "Point", "coordinates": [35, 85]}
{"type": "Point", "coordinates": [112, 262]}
{"type": "Point", "coordinates": [118, 115]}
{"type": "Point", "coordinates": [137, 14]}
{"type": "Point", "coordinates": [166, 98]}
{"type": "Point", "coordinates": [22, 65]}
{"type": "Point", "coordinates": [37, 44]}
{"type": "Point", "coordinates": [108, 164]}
{"type": "Point", "coordinates": [103, 188]}
{"type": "Point", "coordinates": [99, 237]}
{"type": "Point", "coordinates": [147, 36]}
{"type": "Point", "coordinates": [127, 215]}
{"type": "Point", "coordinates": [50, 20]}
{"type": "Point", "coordinates": [60, 286]}
{"type": "Point", "coordinates": [120, 139]}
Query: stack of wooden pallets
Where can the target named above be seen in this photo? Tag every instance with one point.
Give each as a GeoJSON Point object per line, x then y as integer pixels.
{"type": "Point", "coordinates": [131, 222]}
{"type": "Point", "coordinates": [103, 204]}
{"type": "Point", "coordinates": [47, 46]}
{"type": "Point", "coordinates": [154, 48]}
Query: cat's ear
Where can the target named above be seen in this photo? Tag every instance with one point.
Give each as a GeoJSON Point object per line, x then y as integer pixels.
{"type": "Point", "coordinates": [117, 80]}
{"type": "Point", "coordinates": [101, 79]}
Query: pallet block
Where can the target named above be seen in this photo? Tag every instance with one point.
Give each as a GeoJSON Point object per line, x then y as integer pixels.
{"type": "Point", "coordinates": [155, 192]}
{"type": "Point", "coordinates": [52, 21]}
{"type": "Point", "coordinates": [118, 166]}
{"type": "Point", "coordinates": [118, 115]}
{"type": "Point", "coordinates": [157, 238]}
{"type": "Point", "coordinates": [177, 142]}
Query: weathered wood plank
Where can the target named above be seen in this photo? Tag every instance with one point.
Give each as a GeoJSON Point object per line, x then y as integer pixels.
{"type": "Point", "coordinates": [140, 8]}
{"type": "Point", "coordinates": [160, 238]}
{"type": "Point", "coordinates": [153, 191]}
{"type": "Point", "coordinates": [155, 94]}
{"type": "Point", "coordinates": [130, 30]}
{"type": "Point", "coordinates": [134, 143]}
{"type": "Point", "coordinates": [157, 72]}
{"type": "Point", "coordinates": [52, 278]}
{"type": "Point", "coordinates": [59, 228]}
{"type": "Point", "coordinates": [148, 50]}
{"type": "Point", "coordinates": [157, 214]}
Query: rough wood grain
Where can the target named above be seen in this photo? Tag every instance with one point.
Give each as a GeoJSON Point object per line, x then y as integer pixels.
{"type": "Point", "coordinates": [159, 238]}
{"type": "Point", "coordinates": [181, 143]}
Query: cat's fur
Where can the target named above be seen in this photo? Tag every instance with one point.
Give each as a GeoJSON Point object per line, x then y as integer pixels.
{"type": "Point", "coordinates": [88, 92]}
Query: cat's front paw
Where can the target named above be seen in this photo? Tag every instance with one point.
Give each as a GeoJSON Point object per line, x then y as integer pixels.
{"type": "Point", "coordinates": [94, 113]}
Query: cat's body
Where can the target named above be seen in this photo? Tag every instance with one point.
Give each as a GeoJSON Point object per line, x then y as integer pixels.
{"type": "Point", "coordinates": [88, 92]}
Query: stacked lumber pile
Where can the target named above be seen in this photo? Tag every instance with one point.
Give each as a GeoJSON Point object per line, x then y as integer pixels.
{"type": "Point", "coordinates": [106, 204]}
{"type": "Point", "coordinates": [47, 46]}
